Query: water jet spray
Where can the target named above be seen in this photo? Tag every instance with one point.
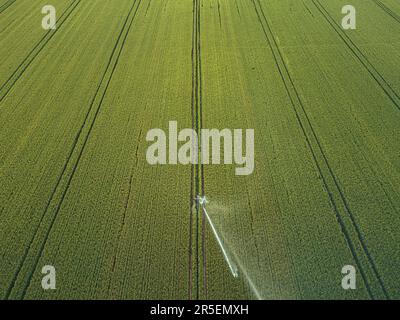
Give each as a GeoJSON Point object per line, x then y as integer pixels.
{"type": "Point", "coordinates": [202, 201]}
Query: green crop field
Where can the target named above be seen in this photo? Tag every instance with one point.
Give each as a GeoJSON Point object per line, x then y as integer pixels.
{"type": "Point", "coordinates": [77, 191]}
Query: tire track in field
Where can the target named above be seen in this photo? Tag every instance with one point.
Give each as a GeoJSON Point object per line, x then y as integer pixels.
{"type": "Point", "coordinates": [195, 127]}
{"type": "Point", "coordinates": [6, 5]}
{"type": "Point", "coordinates": [37, 49]}
{"type": "Point", "coordinates": [197, 172]}
{"type": "Point", "coordinates": [197, 177]}
{"type": "Point", "coordinates": [200, 111]}
{"type": "Point", "coordinates": [75, 154]}
{"type": "Point", "coordinates": [307, 8]}
{"type": "Point", "coordinates": [316, 149]}
{"type": "Point", "coordinates": [124, 215]}
{"type": "Point", "coordinates": [237, 9]}
{"type": "Point", "coordinates": [147, 9]}
{"type": "Point", "coordinates": [219, 14]}
{"type": "Point", "coordinates": [389, 11]}
{"type": "Point", "coordinates": [201, 165]}
{"type": "Point", "coordinates": [193, 171]}
{"type": "Point", "coordinates": [389, 91]}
